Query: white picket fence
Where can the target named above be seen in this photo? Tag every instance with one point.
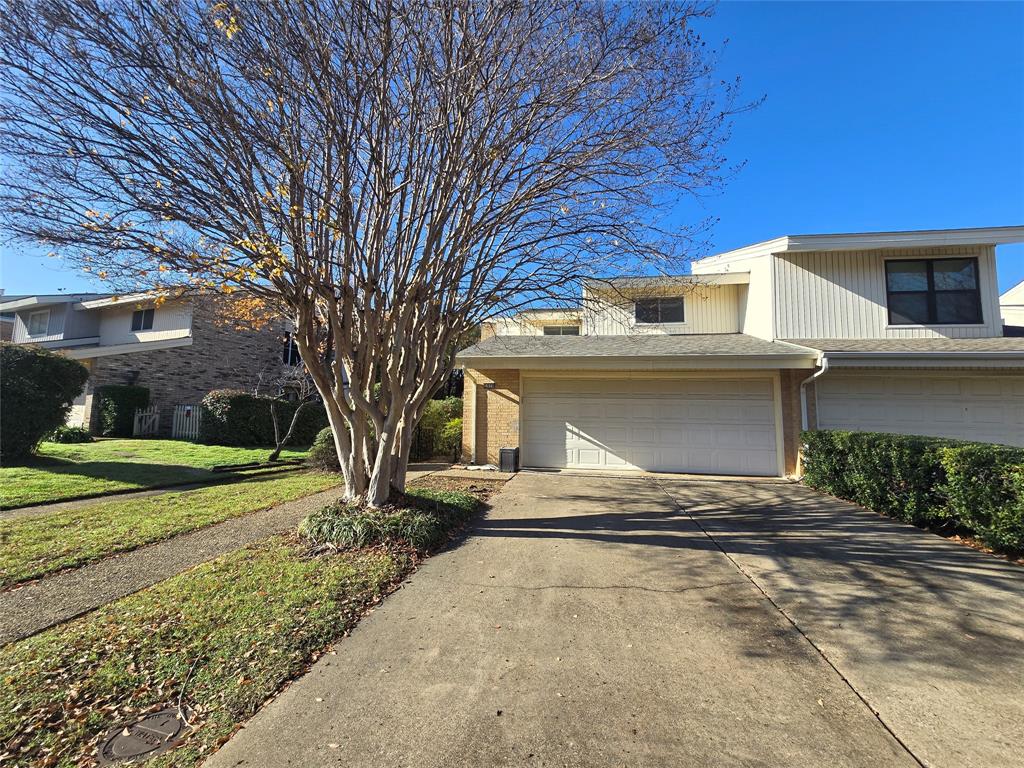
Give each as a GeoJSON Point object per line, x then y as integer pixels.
{"type": "Point", "coordinates": [147, 421]}
{"type": "Point", "coordinates": [186, 422]}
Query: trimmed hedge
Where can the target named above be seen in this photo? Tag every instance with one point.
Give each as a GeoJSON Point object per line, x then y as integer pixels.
{"type": "Point", "coordinates": [236, 417]}
{"type": "Point", "coordinates": [423, 522]}
{"type": "Point", "coordinates": [37, 388]}
{"type": "Point", "coordinates": [117, 406]}
{"type": "Point", "coordinates": [975, 488]}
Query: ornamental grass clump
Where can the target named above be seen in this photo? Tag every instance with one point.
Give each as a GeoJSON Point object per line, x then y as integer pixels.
{"type": "Point", "coordinates": [421, 520]}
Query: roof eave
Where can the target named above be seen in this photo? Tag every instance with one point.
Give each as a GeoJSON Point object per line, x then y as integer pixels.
{"type": "Point", "coordinates": [638, 362]}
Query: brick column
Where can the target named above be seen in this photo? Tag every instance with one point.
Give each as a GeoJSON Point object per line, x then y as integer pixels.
{"type": "Point", "coordinates": [496, 424]}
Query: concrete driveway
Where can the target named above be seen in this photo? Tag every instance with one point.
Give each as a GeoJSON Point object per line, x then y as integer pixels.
{"type": "Point", "coordinates": [594, 621]}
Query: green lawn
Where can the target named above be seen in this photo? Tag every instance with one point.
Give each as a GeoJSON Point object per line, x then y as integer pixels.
{"type": "Point", "coordinates": [86, 469]}
{"type": "Point", "coordinates": [35, 546]}
{"type": "Point", "coordinates": [245, 624]}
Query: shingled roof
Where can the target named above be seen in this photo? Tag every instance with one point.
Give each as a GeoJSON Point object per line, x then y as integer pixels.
{"type": "Point", "coordinates": [635, 345]}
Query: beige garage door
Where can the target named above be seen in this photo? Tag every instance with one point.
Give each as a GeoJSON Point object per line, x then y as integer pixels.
{"type": "Point", "coordinates": [987, 408]}
{"type": "Point", "coordinates": [719, 426]}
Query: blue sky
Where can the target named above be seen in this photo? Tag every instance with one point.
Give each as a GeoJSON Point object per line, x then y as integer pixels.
{"type": "Point", "coordinates": [878, 116]}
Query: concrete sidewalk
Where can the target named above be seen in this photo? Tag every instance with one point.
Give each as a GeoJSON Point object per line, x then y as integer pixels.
{"type": "Point", "coordinates": [586, 621]}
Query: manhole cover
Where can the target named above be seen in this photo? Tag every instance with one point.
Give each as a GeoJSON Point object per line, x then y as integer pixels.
{"type": "Point", "coordinates": [147, 737]}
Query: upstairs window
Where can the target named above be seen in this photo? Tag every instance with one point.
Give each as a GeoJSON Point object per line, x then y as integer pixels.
{"type": "Point", "coordinates": [561, 330]}
{"type": "Point", "coordinates": [933, 291]}
{"type": "Point", "coordinates": [653, 311]}
{"type": "Point", "coordinates": [142, 320]}
{"type": "Point", "coordinates": [38, 323]}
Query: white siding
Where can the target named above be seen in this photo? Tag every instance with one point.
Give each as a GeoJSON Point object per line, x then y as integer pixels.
{"type": "Point", "coordinates": [172, 320]}
{"type": "Point", "coordinates": [754, 300]}
{"type": "Point", "coordinates": [841, 295]}
{"type": "Point", "coordinates": [54, 332]}
{"type": "Point", "coordinates": [705, 309]}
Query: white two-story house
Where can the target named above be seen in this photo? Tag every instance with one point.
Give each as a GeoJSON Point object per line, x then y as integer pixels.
{"type": "Point", "coordinates": [718, 371]}
{"type": "Point", "coordinates": [180, 348]}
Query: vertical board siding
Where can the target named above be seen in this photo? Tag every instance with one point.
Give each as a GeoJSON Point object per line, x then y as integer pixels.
{"type": "Point", "coordinates": [706, 310]}
{"type": "Point", "coordinates": [841, 295]}
{"type": "Point", "coordinates": [172, 320]}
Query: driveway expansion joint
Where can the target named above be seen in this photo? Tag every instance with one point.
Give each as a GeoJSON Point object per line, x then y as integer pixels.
{"type": "Point", "coordinates": [792, 622]}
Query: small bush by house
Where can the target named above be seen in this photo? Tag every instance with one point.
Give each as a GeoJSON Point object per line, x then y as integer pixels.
{"type": "Point", "coordinates": [69, 435]}
{"type": "Point", "coordinates": [423, 521]}
{"type": "Point", "coordinates": [323, 455]}
{"type": "Point", "coordinates": [239, 418]}
{"type": "Point", "coordinates": [970, 487]}
{"type": "Point", "coordinates": [428, 439]}
{"type": "Point", "coordinates": [117, 406]}
{"type": "Point", "coordinates": [37, 388]}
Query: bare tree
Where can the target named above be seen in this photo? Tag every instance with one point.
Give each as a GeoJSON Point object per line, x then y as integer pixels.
{"type": "Point", "coordinates": [385, 172]}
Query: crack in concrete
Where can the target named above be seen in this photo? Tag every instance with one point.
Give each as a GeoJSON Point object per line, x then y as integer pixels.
{"type": "Point", "coordinates": [608, 587]}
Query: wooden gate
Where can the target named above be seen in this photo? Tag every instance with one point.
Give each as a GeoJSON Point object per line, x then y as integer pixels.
{"type": "Point", "coordinates": [147, 422]}
{"type": "Point", "coordinates": [186, 422]}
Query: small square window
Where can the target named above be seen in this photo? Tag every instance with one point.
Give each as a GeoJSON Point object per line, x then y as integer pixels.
{"type": "Point", "coordinates": [39, 323]}
{"type": "Point", "coordinates": [142, 320]}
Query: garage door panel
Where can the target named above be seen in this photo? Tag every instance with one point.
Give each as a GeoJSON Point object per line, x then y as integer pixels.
{"type": "Point", "coordinates": [679, 425]}
{"type": "Point", "coordinates": [971, 407]}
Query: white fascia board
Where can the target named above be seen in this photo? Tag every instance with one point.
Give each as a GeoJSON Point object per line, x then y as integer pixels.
{"type": "Point", "coordinates": [124, 349]}
{"type": "Point", "coordinates": [911, 239]}
{"type": "Point", "coordinates": [636, 363]}
{"type": "Point", "coordinates": [37, 301]}
{"type": "Point", "coordinates": [111, 301]}
{"type": "Point", "coordinates": [857, 241]}
{"type": "Point", "coordinates": [1012, 359]}
{"type": "Point", "coordinates": [64, 343]}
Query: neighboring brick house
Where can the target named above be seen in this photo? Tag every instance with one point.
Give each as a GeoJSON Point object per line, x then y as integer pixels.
{"type": "Point", "coordinates": [179, 349]}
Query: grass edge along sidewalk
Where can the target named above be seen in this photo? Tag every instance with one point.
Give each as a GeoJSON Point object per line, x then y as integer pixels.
{"type": "Point", "coordinates": [224, 636]}
{"type": "Point", "coordinates": [38, 546]}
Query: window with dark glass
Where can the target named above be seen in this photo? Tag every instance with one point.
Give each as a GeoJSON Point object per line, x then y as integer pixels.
{"type": "Point", "coordinates": [290, 353]}
{"type": "Point", "coordinates": [933, 291]}
{"type": "Point", "coordinates": [664, 310]}
{"type": "Point", "coordinates": [561, 330]}
{"type": "Point", "coordinates": [142, 320]}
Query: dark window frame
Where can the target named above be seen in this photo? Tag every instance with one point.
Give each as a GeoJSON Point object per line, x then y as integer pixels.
{"type": "Point", "coordinates": [559, 330]}
{"type": "Point", "coordinates": [140, 318]}
{"type": "Point", "coordinates": [658, 302]}
{"type": "Point", "coordinates": [932, 293]}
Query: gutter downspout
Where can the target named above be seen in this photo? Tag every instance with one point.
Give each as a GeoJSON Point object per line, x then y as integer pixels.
{"type": "Point", "coordinates": [804, 418]}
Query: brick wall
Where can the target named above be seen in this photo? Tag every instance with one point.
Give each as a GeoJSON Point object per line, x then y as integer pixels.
{"type": "Point", "coordinates": [496, 422]}
{"type": "Point", "coordinates": [220, 357]}
{"type": "Point", "coordinates": [791, 417]}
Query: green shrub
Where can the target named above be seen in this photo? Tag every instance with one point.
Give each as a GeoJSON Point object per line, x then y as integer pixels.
{"type": "Point", "coordinates": [37, 388]}
{"type": "Point", "coordinates": [427, 441]}
{"type": "Point", "coordinates": [236, 417]}
{"type": "Point", "coordinates": [69, 435]}
{"type": "Point", "coordinates": [449, 441]}
{"type": "Point", "coordinates": [984, 492]}
{"type": "Point", "coordinates": [973, 487]}
{"type": "Point", "coordinates": [323, 455]}
{"type": "Point", "coordinates": [117, 406]}
{"type": "Point", "coordinates": [424, 522]}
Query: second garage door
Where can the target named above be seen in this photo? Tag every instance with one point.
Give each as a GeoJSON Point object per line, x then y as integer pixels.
{"type": "Point", "coordinates": [964, 406]}
{"type": "Point", "coordinates": [720, 426]}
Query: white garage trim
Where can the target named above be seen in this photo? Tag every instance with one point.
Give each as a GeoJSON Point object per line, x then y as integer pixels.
{"type": "Point", "coordinates": [530, 379]}
{"type": "Point", "coordinates": [962, 405]}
